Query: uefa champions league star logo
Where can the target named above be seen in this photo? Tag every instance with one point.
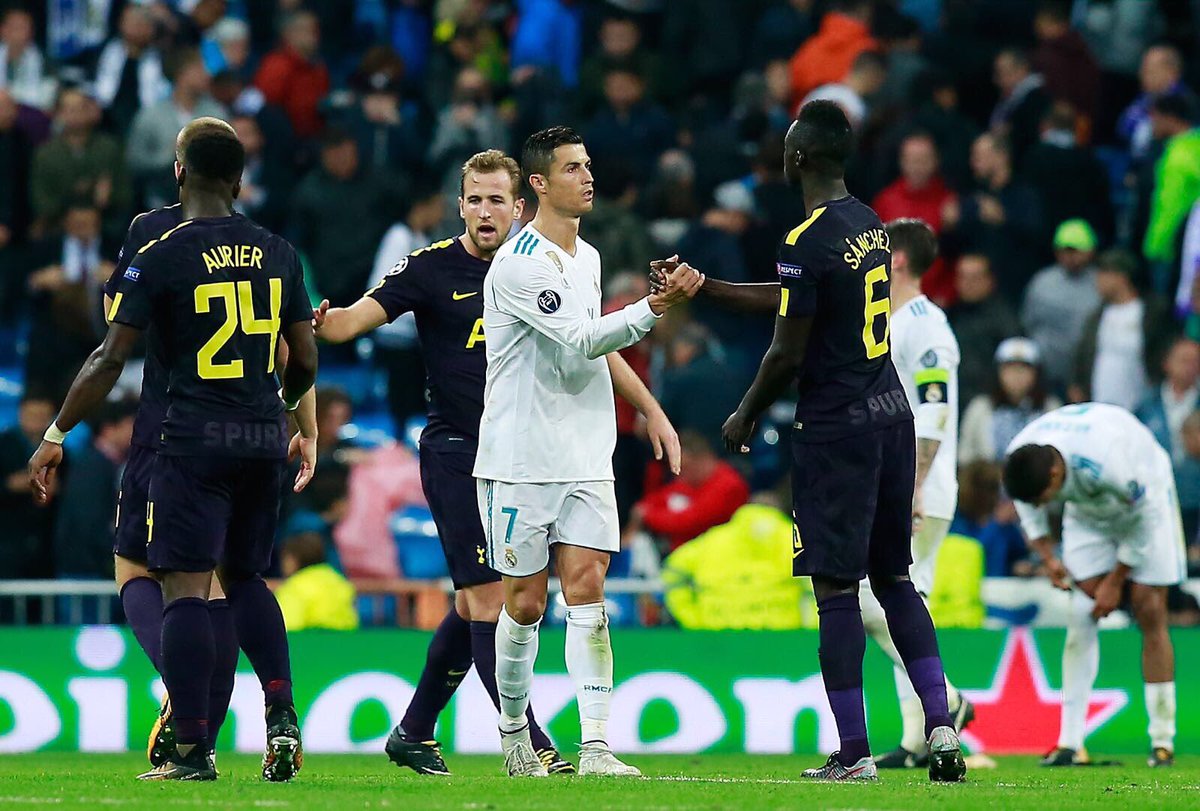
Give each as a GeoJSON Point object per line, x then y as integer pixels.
{"type": "Point", "coordinates": [548, 301]}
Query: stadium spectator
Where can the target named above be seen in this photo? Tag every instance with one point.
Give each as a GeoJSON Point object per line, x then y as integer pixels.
{"type": "Point", "coordinates": [84, 530]}
{"type": "Point", "coordinates": [335, 409]}
{"type": "Point", "coordinates": [341, 210]}
{"type": "Point", "coordinates": [1124, 341]}
{"type": "Point", "coordinates": [1017, 398]}
{"type": "Point", "coordinates": [1065, 61]}
{"type": "Point", "coordinates": [128, 73]}
{"type": "Point", "coordinates": [470, 123]}
{"type": "Point", "coordinates": [621, 48]}
{"type": "Point", "coordinates": [313, 593]}
{"type": "Point", "coordinates": [694, 360]}
{"type": "Point", "coordinates": [1002, 219]}
{"type": "Point", "coordinates": [1176, 177]}
{"type": "Point", "coordinates": [983, 516]}
{"type": "Point", "coordinates": [613, 227]}
{"type": "Point", "coordinates": [226, 47]}
{"type": "Point", "coordinates": [826, 57]}
{"type": "Point", "coordinates": [778, 29]}
{"type": "Point", "coordinates": [937, 112]}
{"type": "Point", "coordinates": [79, 162]}
{"type": "Point", "coordinates": [26, 551]}
{"type": "Point", "coordinates": [383, 481]}
{"type": "Point", "coordinates": [706, 40]}
{"type": "Point", "coordinates": [1165, 410]}
{"type": "Point", "coordinates": [1187, 477]}
{"type": "Point", "coordinates": [956, 600]}
{"type": "Point", "coordinates": [981, 319]}
{"type": "Point", "coordinates": [150, 146]}
{"type": "Point", "coordinates": [851, 93]}
{"type": "Point", "coordinates": [548, 39]}
{"type": "Point", "coordinates": [707, 493]}
{"type": "Point", "coordinates": [708, 581]}
{"type": "Point", "coordinates": [1068, 178]}
{"type": "Point", "coordinates": [293, 76]}
{"type": "Point", "coordinates": [628, 128]}
{"type": "Point", "coordinates": [920, 192]}
{"type": "Point", "coordinates": [1023, 102]}
{"type": "Point", "coordinates": [321, 507]}
{"type": "Point", "coordinates": [1161, 74]}
{"type": "Point", "coordinates": [23, 69]}
{"type": "Point", "coordinates": [16, 163]}
{"type": "Point", "coordinates": [265, 180]}
{"type": "Point", "coordinates": [388, 129]}
{"type": "Point", "coordinates": [1060, 299]}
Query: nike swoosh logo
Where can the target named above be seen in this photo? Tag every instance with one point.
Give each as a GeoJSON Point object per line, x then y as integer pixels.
{"type": "Point", "coordinates": [457, 296]}
{"type": "Point", "coordinates": [458, 672]}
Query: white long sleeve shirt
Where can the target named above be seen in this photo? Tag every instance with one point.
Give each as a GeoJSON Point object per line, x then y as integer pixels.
{"type": "Point", "coordinates": [1113, 463]}
{"type": "Point", "coordinates": [549, 413]}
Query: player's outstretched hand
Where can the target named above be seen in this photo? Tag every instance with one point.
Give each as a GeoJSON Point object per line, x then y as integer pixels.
{"type": "Point", "coordinates": [682, 284]}
{"type": "Point", "coordinates": [736, 432]}
{"type": "Point", "coordinates": [42, 468]}
{"type": "Point", "coordinates": [659, 270]}
{"type": "Point", "coordinates": [308, 462]}
{"type": "Point", "coordinates": [319, 313]}
{"type": "Point", "coordinates": [1059, 576]}
{"type": "Point", "coordinates": [664, 440]}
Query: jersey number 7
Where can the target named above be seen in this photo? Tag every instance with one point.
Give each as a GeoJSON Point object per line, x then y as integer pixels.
{"type": "Point", "coordinates": [872, 310]}
{"type": "Point", "coordinates": [238, 298]}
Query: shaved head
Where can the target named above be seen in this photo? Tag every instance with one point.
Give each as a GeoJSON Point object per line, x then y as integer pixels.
{"type": "Point", "coordinates": [820, 141]}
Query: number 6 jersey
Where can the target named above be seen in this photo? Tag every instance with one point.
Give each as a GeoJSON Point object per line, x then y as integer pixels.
{"type": "Point", "coordinates": [835, 267]}
{"type": "Point", "coordinates": [217, 291]}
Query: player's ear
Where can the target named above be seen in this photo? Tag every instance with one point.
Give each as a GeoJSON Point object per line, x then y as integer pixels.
{"type": "Point", "coordinates": [538, 183]}
{"type": "Point", "coordinates": [180, 174]}
{"type": "Point", "coordinates": [461, 211]}
{"type": "Point", "coordinates": [237, 188]}
{"type": "Point", "coordinates": [518, 208]}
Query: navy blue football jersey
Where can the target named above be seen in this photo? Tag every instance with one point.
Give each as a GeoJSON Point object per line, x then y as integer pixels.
{"type": "Point", "coordinates": [442, 286]}
{"type": "Point", "coordinates": [218, 291]}
{"type": "Point", "coordinates": [836, 267]}
{"type": "Point", "coordinates": [152, 405]}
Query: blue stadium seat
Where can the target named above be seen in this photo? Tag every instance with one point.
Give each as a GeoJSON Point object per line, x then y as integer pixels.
{"type": "Point", "coordinates": [417, 544]}
{"type": "Point", "coordinates": [12, 383]}
{"type": "Point", "coordinates": [366, 386]}
{"type": "Point", "coordinates": [370, 429]}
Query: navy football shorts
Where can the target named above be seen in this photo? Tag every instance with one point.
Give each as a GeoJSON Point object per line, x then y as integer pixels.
{"type": "Point", "coordinates": [130, 540]}
{"type": "Point", "coordinates": [450, 490]}
{"type": "Point", "coordinates": [206, 511]}
{"type": "Point", "coordinates": [852, 504]}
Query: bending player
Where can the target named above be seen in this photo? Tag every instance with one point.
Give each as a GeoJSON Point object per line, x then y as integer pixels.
{"type": "Point", "coordinates": [853, 443]}
{"type": "Point", "coordinates": [139, 589]}
{"type": "Point", "coordinates": [442, 285]}
{"type": "Point", "coordinates": [218, 290]}
{"type": "Point", "coordinates": [546, 441]}
{"type": "Point", "coordinates": [1121, 532]}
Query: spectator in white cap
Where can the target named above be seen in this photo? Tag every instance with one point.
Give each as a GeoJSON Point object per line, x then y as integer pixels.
{"type": "Point", "coordinates": [1059, 300]}
{"type": "Point", "coordinates": [226, 46]}
{"type": "Point", "coordinates": [1017, 399]}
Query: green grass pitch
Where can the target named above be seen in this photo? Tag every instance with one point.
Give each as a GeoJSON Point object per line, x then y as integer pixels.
{"type": "Point", "coordinates": [70, 781]}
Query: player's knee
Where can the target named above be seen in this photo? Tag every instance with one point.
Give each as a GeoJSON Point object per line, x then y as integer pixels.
{"type": "Point", "coordinates": [886, 585]}
{"type": "Point", "coordinates": [125, 570]}
{"type": "Point", "coordinates": [826, 587]}
{"type": "Point", "coordinates": [1150, 608]}
{"type": "Point", "coordinates": [184, 585]}
{"type": "Point", "coordinates": [526, 607]}
{"type": "Point", "coordinates": [480, 603]}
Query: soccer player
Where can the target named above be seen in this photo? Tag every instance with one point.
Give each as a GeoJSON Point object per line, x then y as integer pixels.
{"type": "Point", "coordinates": [853, 443]}
{"type": "Point", "coordinates": [1121, 531]}
{"type": "Point", "coordinates": [546, 440]}
{"type": "Point", "coordinates": [925, 353]}
{"type": "Point", "coordinates": [442, 285]}
{"type": "Point", "coordinates": [219, 291]}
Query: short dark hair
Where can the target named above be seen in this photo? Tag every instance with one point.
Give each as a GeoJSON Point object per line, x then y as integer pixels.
{"type": "Point", "coordinates": [694, 442]}
{"type": "Point", "coordinates": [1176, 105]}
{"type": "Point", "coordinates": [213, 153]}
{"type": "Point", "coordinates": [870, 59]}
{"type": "Point", "coordinates": [1057, 10]}
{"type": "Point", "coordinates": [917, 240]}
{"type": "Point", "coordinates": [1118, 260]}
{"type": "Point", "coordinates": [111, 412]}
{"type": "Point", "coordinates": [823, 135]}
{"type": "Point", "coordinates": [538, 152]}
{"type": "Point", "coordinates": [328, 396]}
{"type": "Point", "coordinates": [308, 549]}
{"type": "Point", "coordinates": [1017, 54]}
{"type": "Point", "coordinates": [1027, 472]}
{"type": "Point", "coordinates": [335, 135]}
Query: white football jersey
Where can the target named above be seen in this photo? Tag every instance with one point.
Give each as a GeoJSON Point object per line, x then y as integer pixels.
{"type": "Point", "coordinates": [926, 355]}
{"type": "Point", "coordinates": [1113, 462]}
{"type": "Point", "coordinates": [548, 408]}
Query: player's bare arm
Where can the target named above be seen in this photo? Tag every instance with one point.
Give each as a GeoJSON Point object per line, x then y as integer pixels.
{"type": "Point", "coordinates": [341, 324]}
{"type": "Point", "coordinates": [1057, 572]}
{"type": "Point", "coordinates": [663, 438]}
{"type": "Point", "coordinates": [746, 297]}
{"type": "Point", "coordinates": [926, 452]}
{"type": "Point", "coordinates": [93, 383]}
{"type": "Point", "coordinates": [779, 368]}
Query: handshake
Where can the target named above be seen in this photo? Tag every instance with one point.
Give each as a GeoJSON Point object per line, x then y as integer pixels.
{"type": "Point", "coordinates": [672, 282]}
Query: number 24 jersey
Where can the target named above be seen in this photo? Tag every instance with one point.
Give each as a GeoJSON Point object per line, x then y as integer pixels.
{"type": "Point", "coordinates": [836, 267]}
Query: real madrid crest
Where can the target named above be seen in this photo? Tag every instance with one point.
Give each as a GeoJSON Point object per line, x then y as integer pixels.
{"type": "Point", "coordinates": [510, 557]}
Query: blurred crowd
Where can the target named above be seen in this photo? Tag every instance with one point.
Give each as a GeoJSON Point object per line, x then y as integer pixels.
{"type": "Point", "coordinates": [1052, 145]}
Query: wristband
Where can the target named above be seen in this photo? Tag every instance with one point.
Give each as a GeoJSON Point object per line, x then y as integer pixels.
{"type": "Point", "coordinates": [290, 407]}
{"type": "Point", "coordinates": [54, 435]}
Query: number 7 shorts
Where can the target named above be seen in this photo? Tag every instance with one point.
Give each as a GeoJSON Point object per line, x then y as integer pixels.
{"type": "Point", "coordinates": [521, 521]}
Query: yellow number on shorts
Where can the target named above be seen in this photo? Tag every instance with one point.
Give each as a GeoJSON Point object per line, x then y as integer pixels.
{"type": "Point", "coordinates": [239, 301]}
{"type": "Point", "coordinates": [872, 310]}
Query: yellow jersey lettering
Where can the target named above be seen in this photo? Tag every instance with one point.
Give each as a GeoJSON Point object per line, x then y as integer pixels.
{"type": "Point", "coordinates": [476, 336]}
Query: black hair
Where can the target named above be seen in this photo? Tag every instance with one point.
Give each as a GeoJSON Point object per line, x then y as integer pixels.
{"type": "Point", "coordinates": [214, 153]}
{"type": "Point", "coordinates": [917, 240]}
{"type": "Point", "coordinates": [1057, 10]}
{"type": "Point", "coordinates": [1027, 472]}
{"type": "Point", "coordinates": [870, 59]}
{"type": "Point", "coordinates": [823, 136]}
{"type": "Point", "coordinates": [335, 135]}
{"type": "Point", "coordinates": [1118, 260]}
{"type": "Point", "coordinates": [111, 412]}
{"type": "Point", "coordinates": [1176, 105]}
{"type": "Point", "coordinates": [538, 152]}
{"type": "Point", "coordinates": [307, 548]}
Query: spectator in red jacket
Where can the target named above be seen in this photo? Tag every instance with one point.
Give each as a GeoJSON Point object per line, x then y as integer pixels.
{"type": "Point", "coordinates": [293, 76]}
{"type": "Point", "coordinates": [826, 57]}
{"type": "Point", "coordinates": [920, 192]}
{"type": "Point", "coordinates": [706, 494]}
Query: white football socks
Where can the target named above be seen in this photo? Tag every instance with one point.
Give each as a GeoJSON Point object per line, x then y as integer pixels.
{"type": "Point", "coordinates": [1160, 706]}
{"type": "Point", "coordinates": [516, 651]}
{"type": "Point", "coordinates": [1081, 663]}
{"type": "Point", "coordinates": [590, 663]}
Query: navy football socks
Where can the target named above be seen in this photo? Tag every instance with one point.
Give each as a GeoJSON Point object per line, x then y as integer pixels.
{"type": "Point", "coordinates": [483, 646]}
{"type": "Point", "coordinates": [843, 645]}
{"type": "Point", "coordinates": [446, 663]}
{"type": "Point", "coordinates": [912, 632]}
{"type": "Point", "coordinates": [188, 652]}
{"type": "Point", "coordinates": [224, 665]}
{"type": "Point", "coordinates": [142, 600]}
{"type": "Point", "coordinates": [262, 635]}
